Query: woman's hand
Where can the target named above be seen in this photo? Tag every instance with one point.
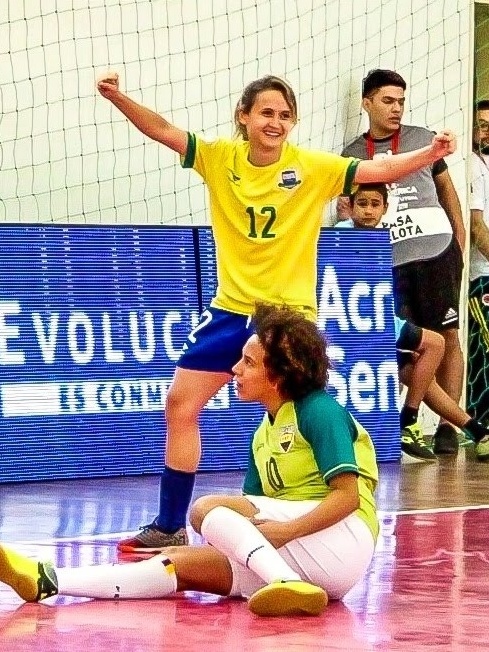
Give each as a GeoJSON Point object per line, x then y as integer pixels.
{"type": "Point", "coordinates": [278, 534]}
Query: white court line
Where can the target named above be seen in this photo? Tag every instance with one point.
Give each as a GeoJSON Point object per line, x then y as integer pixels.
{"type": "Point", "coordinates": [432, 510]}
{"type": "Point", "coordinates": [119, 535]}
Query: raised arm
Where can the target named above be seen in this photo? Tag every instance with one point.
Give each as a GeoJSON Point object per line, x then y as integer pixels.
{"type": "Point", "coordinates": [393, 168]}
{"type": "Point", "coordinates": [151, 124]}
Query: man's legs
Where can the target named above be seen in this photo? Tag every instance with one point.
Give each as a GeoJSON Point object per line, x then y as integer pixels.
{"type": "Point", "coordinates": [428, 293]}
{"type": "Point", "coordinates": [450, 374]}
{"type": "Point", "coordinates": [428, 351]}
{"type": "Point", "coordinates": [450, 411]}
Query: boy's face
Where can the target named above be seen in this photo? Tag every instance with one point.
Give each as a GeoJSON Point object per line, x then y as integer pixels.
{"type": "Point", "coordinates": [368, 208]}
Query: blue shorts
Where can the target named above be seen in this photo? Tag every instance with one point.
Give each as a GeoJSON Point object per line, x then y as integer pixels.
{"type": "Point", "coordinates": [216, 343]}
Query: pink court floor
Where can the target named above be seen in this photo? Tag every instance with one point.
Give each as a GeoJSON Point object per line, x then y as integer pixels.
{"type": "Point", "coordinates": [426, 589]}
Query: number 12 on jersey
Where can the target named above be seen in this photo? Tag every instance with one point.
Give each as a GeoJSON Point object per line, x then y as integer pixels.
{"type": "Point", "coordinates": [268, 215]}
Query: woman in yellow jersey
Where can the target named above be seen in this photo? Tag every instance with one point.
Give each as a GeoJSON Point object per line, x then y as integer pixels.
{"type": "Point", "coordinates": [266, 199]}
{"type": "Point", "coordinates": [306, 526]}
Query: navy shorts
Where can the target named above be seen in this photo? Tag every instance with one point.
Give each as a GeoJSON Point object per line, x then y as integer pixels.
{"type": "Point", "coordinates": [216, 343]}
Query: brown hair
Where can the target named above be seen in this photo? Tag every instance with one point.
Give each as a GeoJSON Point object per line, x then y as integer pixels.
{"type": "Point", "coordinates": [248, 97]}
{"type": "Point", "coordinates": [295, 350]}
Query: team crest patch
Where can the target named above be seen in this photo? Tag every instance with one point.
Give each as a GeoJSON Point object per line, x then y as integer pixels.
{"type": "Point", "coordinates": [485, 299]}
{"type": "Point", "coordinates": [286, 437]}
{"type": "Point", "coordinates": [289, 179]}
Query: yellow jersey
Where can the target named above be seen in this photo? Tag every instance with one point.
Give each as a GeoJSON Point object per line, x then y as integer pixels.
{"type": "Point", "coordinates": [310, 442]}
{"type": "Point", "coordinates": [266, 220]}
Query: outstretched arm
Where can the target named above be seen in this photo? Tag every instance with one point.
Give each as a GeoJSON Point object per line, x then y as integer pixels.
{"type": "Point", "coordinates": [147, 121]}
{"type": "Point", "coordinates": [393, 168]}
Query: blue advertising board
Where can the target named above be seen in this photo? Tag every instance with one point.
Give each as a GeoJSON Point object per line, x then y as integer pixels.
{"type": "Point", "coordinates": [93, 320]}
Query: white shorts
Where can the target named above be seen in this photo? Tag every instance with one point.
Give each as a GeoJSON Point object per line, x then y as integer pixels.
{"type": "Point", "coordinates": [334, 558]}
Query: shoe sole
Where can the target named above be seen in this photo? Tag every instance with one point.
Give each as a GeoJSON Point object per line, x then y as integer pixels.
{"type": "Point", "coordinates": [286, 601]}
{"type": "Point", "coordinates": [445, 451]}
{"type": "Point", "coordinates": [24, 585]}
{"type": "Point", "coordinates": [149, 551]}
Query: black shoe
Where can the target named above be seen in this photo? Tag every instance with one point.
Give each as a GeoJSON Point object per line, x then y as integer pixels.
{"type": "Point", "coordinates": [413, 444]}
{"type": "Point", "coordinates": [445, 440]}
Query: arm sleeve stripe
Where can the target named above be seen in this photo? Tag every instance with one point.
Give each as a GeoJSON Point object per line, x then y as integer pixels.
{"type": "Point", "coordinates": [341, 468]}
{"type": "Point", "coordinates": [350, 175]}
{"type": "Point", "coordinates": [189, 159]}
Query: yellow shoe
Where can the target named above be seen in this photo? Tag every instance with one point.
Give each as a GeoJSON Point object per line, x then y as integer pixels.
{"type": "Point", "coordinates": [288, 598]}
{"type": "Point", "coordinates": [32, 580]}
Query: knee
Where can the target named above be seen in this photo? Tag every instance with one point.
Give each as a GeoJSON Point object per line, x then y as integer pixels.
{"type": "Point", "coordinates": [199, 510]}
{"type": "Point", "coordinates": [179, 406]}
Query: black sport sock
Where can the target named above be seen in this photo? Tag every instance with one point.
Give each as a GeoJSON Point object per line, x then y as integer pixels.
{"type": "Point", "coordinates": [475, 430]}
{"type": "Point", "coordinates": [408, 416]}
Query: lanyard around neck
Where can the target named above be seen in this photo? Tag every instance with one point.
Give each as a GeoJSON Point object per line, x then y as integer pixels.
{"type": "Point", "coordinates": [395, 141]}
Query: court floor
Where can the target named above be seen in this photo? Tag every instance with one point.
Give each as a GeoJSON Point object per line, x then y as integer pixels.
{"type": "Point", "coordinates": [427, 587]}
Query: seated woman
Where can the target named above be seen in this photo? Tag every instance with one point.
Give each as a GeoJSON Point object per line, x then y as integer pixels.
{"type": "Point", "coordinates": [304, 528]}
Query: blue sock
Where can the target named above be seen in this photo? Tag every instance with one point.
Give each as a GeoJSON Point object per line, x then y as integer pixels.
{"type": "Point", "coordinates": [176, 488]}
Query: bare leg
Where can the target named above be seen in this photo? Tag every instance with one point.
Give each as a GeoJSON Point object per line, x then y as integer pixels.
{"type": "Point", "coordinates": [438, 400]}
{"type": "Point", "coordinates": [188, 394]}
{"type": "Point", "coordinates": [450, 372]}
{"type": "Point", "coordinates": [201, 568]}
{"type": "Point", "coordinates": [429, 356]}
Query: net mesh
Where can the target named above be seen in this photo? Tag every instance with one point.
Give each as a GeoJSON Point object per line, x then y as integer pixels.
{"type": "Point", "coordinates": [478, 334]}
{"type": "Point", "coordinates": [68, 156]}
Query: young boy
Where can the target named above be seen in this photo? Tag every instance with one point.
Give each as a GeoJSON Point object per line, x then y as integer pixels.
{"type": "Point", "coordinates": [420, 352]}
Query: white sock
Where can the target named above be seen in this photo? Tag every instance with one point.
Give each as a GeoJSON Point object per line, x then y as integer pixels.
{"type": "Point", "coordinates": [238, 539]}
{"type": "Point", "coordinates": [150, 578]}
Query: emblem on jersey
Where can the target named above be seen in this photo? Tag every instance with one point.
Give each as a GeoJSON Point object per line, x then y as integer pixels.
{"type": "Point", "coordinates": [286, 437]}
{"type": "Point", "coordinates": [289, 179]}
{"type": "Point", "coordinates": [485, 299]}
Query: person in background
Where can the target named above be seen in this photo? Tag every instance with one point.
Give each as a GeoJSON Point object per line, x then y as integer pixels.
{"type": "Point", "coordinates": [427, 232]}
{"type": "Point", "coordinates": [419, 352]}
{"type": "Point", "coordinates": [267, 198]}
{"type": "Point", "coordinates": [305, 528]}
{"type": "Point", "coordinates": [478, 317]}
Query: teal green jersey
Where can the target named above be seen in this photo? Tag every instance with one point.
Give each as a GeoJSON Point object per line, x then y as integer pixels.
{"type": "Point", "coordinates": [310, 442]}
